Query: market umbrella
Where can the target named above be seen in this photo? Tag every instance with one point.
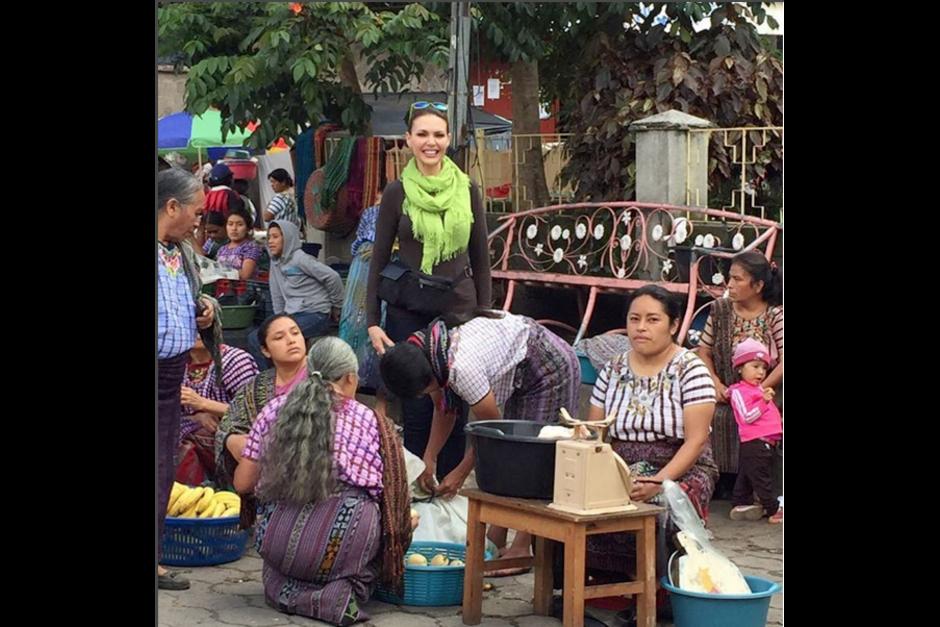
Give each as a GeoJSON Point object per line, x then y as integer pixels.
{"type": "Point", "coordinates": [189, 134]}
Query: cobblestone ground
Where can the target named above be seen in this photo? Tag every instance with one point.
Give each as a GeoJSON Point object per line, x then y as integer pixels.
{"type": "Point", "coordinates": [232, 594]}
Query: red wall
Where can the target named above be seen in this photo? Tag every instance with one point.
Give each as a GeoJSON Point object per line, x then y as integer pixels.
{"type": "Point", "coordinates": [482, 71]}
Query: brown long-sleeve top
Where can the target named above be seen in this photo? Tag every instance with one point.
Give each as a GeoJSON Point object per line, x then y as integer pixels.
{"type": "Point", "coordinates": [392, 222]}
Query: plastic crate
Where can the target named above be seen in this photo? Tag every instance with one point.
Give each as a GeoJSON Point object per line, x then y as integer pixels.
{"type": "Point", "coordinates": [431, 585]}
{"type": "Point", "coordinates": [202, 541]}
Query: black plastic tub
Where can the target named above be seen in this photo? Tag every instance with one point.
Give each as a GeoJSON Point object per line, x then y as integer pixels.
{"type": "Point", "coordinates": [511, 460]}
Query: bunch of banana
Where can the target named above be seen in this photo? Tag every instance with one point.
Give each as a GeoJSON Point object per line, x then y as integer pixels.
{"type": "Point", "coordinates": [202, 502]}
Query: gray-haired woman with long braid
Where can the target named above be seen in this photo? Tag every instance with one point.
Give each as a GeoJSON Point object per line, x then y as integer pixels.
{"type": "Point", "coordinates": [330, 476]}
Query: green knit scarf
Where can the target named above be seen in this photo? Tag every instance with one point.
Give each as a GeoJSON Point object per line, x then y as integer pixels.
{"type": "Point", "coordinates": [439, 208]}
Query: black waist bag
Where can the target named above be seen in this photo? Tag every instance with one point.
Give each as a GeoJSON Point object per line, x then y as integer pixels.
{"type": "Point", "coordinates": [414, 291]}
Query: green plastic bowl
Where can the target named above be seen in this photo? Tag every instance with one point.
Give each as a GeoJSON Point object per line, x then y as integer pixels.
{"type": "Point", "coordinates": [237, 316]}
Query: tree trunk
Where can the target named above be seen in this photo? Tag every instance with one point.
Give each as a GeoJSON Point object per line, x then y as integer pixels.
{"type": "Point", "coordinates": [349, 78]}
{"type": "Point", "coordinates": [531, 188]}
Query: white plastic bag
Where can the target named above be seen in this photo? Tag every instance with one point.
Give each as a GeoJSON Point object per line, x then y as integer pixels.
{"type": "Point", "coordinates": [211, 270]}
{"type": "Point", "coordinates": [705, 568]}
{"type": "Point", "coordinates": [442, 520]}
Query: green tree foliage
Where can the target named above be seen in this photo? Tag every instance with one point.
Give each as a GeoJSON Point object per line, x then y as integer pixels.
{"type": "Point", "coordinates": [288, 65]}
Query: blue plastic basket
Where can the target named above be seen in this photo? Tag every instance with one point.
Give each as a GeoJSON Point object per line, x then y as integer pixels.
{"type": "Point", "coordinates": [696, 609]}
{"type": "Point", "coordinates": [202, 541]}
{"type": "Point", "coordinates": [431, 585]}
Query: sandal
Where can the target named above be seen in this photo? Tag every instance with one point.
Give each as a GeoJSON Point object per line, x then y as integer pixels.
{"type": "Point", "coordinates": [172, 581]}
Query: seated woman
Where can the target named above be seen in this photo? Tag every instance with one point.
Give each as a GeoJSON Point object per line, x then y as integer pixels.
{"type": "Point", "coordinates": [205, 398]}
{"type": "Point", "coordinates": [507, 367]}
{"type": "Point", "coordinates": [242, 252]}
{"type": "Point", "coordinates": [310, 291]}
{"type": "Point", "coordinates": [664, 398]}
{"type": "Point", "coordinates": [282, 343]}
{"type": "Point", "coordinates": [330, 475]}
{"type": "Point", "coordinates": [216, 236]}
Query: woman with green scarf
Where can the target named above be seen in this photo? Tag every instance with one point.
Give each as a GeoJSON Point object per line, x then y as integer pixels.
{"type": "Point", "coordinates": [436, 215]}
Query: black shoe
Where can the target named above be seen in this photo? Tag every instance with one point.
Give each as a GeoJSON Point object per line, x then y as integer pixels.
{"type": "Point", "coordinates": [558, 612]}
{"type": "Point", "coordinates": [172, 581]}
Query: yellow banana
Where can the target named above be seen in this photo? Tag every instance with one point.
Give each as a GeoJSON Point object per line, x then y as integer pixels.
{"type": "Point", "coordinates": [189, 498]}
{"type": "Point", "coordinates": [204, 501]}
{"type": "Point", "coordinates": [232, 511]}
{"type": "Point", "coordinates": [207, 512]}
{"type": "Point", "coordinates": [190, 513]}
{"type": "Point", "coordinates": [228, 497]}
{"type": "Point", "coordinates": [178, 488]}
{"type": "Point", "coordinates": [178, 508]}
{"type": "Point", "coordinates": [218, 509]}
{"type": "Point", "coordinates": [220, 497]}
{"type": "Point", "coordinates": [171, 503]}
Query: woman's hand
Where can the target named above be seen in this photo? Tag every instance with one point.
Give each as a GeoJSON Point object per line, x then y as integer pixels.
{"type": "Point", "coordinates": [769, 394]}
{"type": "Point", "coordinates": [207, 421]}
{"type": "Point", "coordinates": [208, 315]}
{"type": "Point", "coordinates": [452, 483]}
{"type": "Point", "coordinates": [721, 392]}
{"type": "Point", "coordinates": [379, 339]}
{"type": "Point", "coordinates": [188, 396]}
{"type": "Point", "coordinates": [644, 491]}
{"type": "Point", "coordinates": [427, 480]}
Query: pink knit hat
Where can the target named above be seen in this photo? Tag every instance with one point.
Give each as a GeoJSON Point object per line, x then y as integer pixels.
{"type": "Point", "coordinates": [750, 350]}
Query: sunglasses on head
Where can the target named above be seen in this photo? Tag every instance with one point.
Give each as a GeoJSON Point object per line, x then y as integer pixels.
{"type": "Point", "coordinates": [424, 104]}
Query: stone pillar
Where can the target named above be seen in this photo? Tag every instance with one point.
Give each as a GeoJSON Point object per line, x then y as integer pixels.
{"type": "Point", "coordinates": [671, 167]}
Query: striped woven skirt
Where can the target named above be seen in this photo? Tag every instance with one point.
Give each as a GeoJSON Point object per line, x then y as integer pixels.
{"type": "Point", "coordinates": [616, 552]}
{"type": "Point", "coordinates": [548, 379]}
{"type": "Point", "coordinates": [320, 559]}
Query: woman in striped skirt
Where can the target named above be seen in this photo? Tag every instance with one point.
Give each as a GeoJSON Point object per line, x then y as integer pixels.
{"type": "Point", "coordinates": [503, 365]}
{"type": "Point", "coordinates": [330, 474]}
{"type": "Point", "coordinates": [663, 398]}
{"type": "Point", "coordinates": [751, 311]}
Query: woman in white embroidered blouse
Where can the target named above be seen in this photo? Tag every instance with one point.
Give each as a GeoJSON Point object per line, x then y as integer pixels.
{"type": "Point", "coordinates": [663, 398]}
